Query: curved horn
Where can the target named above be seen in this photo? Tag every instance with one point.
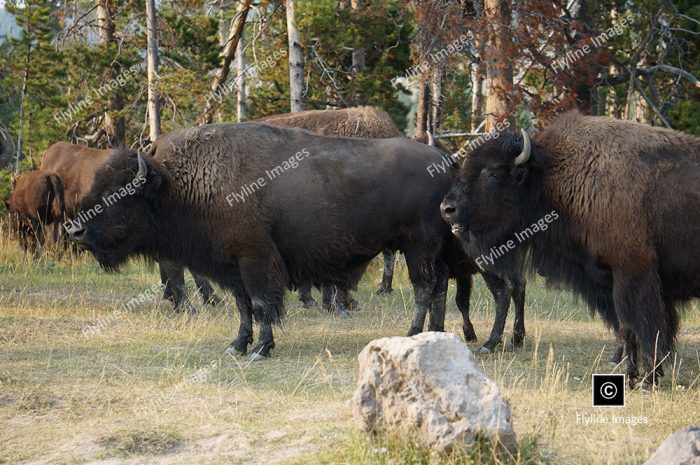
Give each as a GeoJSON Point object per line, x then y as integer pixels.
{"type": "Point", "coordinates": [431, 139]}
{"type": "Point", "coordinates": [143, 169]}
{"type": "Point", "coordinates": [525, 154]}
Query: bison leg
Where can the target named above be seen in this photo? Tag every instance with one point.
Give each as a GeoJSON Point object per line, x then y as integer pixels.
{"type": "Point", "coordinates": [336, 300]}
{"type": "Point", "coordinates": [424, 279]}
{"type": "Point", "coordinates": [436, 320]}
{"type": "Point", "coordinates": [245, 330]}
{"type": "Point", "coordinates": [172, 277]}
{"type": "Point", "coordinates": [264, 278]}
{"type": "Point", "coordinates": [307, 301]}
{"type": "Point", "coordinates": [464, 290]}
{"type": "Point", "coordinates": [502, 290]}
{"type": "Point", "coordinates": [388, 276]}
{"type": "Point", "coordinates": [208, 295]}
{"type": "Point", "coordinates": [646, 319]}
{"type": "Point", "coordinates": [519, 304]}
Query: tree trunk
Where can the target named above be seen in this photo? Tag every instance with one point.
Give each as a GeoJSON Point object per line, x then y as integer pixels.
{"type": "Point", "coordinates": [477, 77]}
{"type": "Point", "coordinates": [436, 77]}
{"type": "Point", "coordinates": [153, 100]}
{"type": "Point", "coordinates": [115, 126]}
{"type": "Point", "coordinates": [23, 94]}
{"type": "Point", "coordinates": [241, 77]}
{"type": "Point", "coordinates": [235, 33]}
{"type": "Point", "coordinates": [359, 57]}
{"type": "Point", "coordinates": [423, 108]}
{"type": "Point", "coordinates": [296, 62]}
{"type": "Point", "coordinates": [499, 74]}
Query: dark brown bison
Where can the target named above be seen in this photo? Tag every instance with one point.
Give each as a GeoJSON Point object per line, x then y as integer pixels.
{"type": "Point", "coordinates": [36, 205]}
{"type": "Point", "coordinates": [608, 208]}
{"type": "Point", "coordinates": [76, 165]}
{"type": "Point", "coordinates": [370, 122]}
{"type": "Point", "coordinates": [259, 208]}
{"type": "Point", "coordinates": [365, 122]}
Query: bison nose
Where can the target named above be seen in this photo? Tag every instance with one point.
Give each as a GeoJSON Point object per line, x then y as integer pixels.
{"type": "Point", "coordinates": [448, 210]}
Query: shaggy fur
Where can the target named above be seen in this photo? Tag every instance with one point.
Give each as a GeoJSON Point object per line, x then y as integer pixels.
{"type": "Point", "coordinates": [366, 122]}
{"type": "Point", "coordinates": [317, 222]}
{"type": "Point", "coordinates": [627, 197]}
{"type": "Point", "coordinates": [36, 203]}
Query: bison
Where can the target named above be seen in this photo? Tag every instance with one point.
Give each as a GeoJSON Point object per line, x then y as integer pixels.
{"type": "Point", "coordinates": [76, 165]}
{"type": "Point", "coordinates": [259, 208]}
{"type": "Point", "coordinates": [608, 208]}
{"type": "Point", "coordinates": [366, 122]}
{"type": "Point", "coordinates": [36, 204]}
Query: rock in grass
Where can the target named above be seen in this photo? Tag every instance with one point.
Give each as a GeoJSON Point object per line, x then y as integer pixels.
{"type": "Point", "coordinates": [430, 385]}
{"type": "Point", "coordinates": [680, 448]}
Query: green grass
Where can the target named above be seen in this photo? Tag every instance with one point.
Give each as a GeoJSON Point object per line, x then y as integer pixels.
{"type": "Point", "coordinates": [152, 386]}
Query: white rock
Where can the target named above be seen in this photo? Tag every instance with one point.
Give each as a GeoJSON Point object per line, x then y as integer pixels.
{"type": "Point", "coordinates": [431, 385]}
{"type": "Point", "coordinates": [680, 448]}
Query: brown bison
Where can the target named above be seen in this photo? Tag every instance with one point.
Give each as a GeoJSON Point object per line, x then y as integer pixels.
{"type": "Point", "coordinates": [36, 205]}
{"type": "Point", "coordinates": [76, 165]}
{"type": "Point", "coordinates": [606, 207]}
{"type": "Point", "coordinates": [259, 208]}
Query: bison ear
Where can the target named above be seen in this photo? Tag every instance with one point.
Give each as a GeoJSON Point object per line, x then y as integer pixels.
{"type": "Point", "coordinates": [153, 174]}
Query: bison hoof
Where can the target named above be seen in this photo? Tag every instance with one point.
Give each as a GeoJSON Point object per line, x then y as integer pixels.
{"type": "Point", "coordinates": [214, 300]}
{"type": "Point", "coordinates": [469, 334]}
{"type": "Point", "coordinates": [616, 359]}
{"type": "Point", "coordinates": [309, 303]}
{"type": "Point", "coordinates": [261, 351]}
{"type": "Point", "coordinates": [384, 290]}
{"type": "Point", "coordinates": [413, 331]}
{"type": "Point", "coordinates": [233, 351]}
{"type": "Point", "coordinates": [485, 350]}
{"type": "Point", "coordinates": [256, 357]}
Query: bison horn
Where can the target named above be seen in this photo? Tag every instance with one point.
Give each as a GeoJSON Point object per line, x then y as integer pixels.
{"type": "Point", "coordinates": [143, 170]}
{"type": "Point", "coordinates": [431, 139]}
{"type": "Point", "coordinates": [525, 154]}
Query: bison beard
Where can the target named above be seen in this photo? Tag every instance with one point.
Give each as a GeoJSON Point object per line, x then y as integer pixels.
{"type": "Point", "coordinates": [628, 200]}
{"type": "Point", "coordinates": [318, 223]}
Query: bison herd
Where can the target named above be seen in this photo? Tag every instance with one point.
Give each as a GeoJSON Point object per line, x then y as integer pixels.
{"type": "Point", "coordinates": [606, 208]}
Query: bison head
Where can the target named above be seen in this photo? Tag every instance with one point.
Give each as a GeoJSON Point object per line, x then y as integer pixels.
{"type": "Point", "coordinates": [116, 219]}
{"type": "Point", "coordinates": [493, 194]}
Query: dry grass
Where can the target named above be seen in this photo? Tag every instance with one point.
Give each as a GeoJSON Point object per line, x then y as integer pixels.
{"type": "Point", "coordinates": [152, 387]}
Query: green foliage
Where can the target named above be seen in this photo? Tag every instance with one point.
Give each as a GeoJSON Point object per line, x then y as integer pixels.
{"type": "Point", "coordinates": [395, 449]}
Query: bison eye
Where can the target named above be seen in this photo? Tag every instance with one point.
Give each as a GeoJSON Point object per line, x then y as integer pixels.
{"type": "Point", "coordinates": [497, 175]}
